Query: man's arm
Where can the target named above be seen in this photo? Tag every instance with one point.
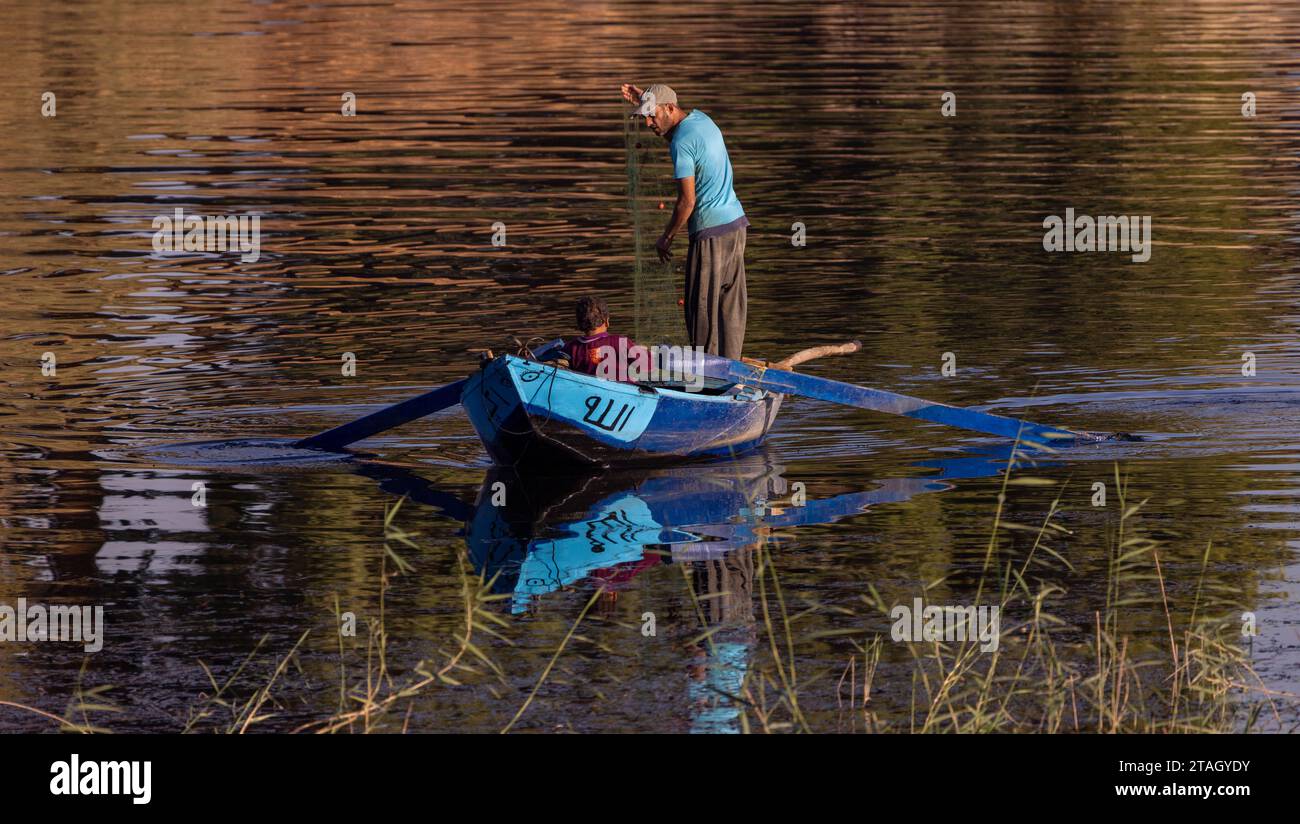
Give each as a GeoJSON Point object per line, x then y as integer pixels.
{"type": "Point", "coordinates": [681, 216]}
{"type": "Point", "coordinates": [631, 94]}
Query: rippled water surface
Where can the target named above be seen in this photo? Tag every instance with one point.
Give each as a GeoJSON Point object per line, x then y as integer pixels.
{"type": "Point", "coordinates": [924, 237]}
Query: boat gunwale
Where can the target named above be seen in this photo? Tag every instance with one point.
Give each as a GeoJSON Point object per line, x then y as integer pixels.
{"type": "Point", "coordinates": [724, 396]}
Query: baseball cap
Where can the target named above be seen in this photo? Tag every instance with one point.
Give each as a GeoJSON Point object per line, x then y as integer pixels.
{"type": "Point", "coordinates": [656, 95]}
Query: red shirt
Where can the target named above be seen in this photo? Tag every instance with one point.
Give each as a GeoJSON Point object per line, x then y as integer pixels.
{"type": "Point", "coordinates": [606, 356]}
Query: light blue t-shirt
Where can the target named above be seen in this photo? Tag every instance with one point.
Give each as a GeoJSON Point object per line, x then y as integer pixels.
{"type": "Point", "coordinates": [698, 151]}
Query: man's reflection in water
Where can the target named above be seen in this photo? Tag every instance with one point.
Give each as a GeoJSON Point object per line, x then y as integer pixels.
{"type": "Point", "coordinates": [724, 589]}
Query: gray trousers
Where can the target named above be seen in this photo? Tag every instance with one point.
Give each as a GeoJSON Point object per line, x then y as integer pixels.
{"type": "Point", "coordinates": [715, 293]}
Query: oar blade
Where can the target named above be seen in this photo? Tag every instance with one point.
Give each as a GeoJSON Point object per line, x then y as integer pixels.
{"type": "Point", "coordinates": [408, 410]}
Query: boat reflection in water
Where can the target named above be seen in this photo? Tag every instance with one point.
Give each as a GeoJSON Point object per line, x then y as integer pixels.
{"type": "Point", "coordinates": [536, 535]}
{"type": "Point", "coordinates": [608, 528]}
{"type": "Point", "coordinates": [533, 536]}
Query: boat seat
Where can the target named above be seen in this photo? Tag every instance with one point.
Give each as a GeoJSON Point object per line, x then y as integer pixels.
{"type": "Point", "coordinates": [712, 386]}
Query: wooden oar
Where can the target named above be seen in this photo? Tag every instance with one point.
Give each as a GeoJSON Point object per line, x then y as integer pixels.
{"type": "Point", "coordinates": [435, 400]}
{"type": "Point", "coordinates": [788, 364]}
{"type": "Point", "coordinates": [777, 378]}
{"type": "Point", "coordinates": [408, 410]}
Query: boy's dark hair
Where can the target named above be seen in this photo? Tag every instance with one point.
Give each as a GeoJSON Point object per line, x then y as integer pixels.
{"type": "Point", "coordinates": [592, 313]}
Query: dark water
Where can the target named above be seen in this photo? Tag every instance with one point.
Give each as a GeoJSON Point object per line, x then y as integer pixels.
{"type": "Point", "coordinates": [923, 238]}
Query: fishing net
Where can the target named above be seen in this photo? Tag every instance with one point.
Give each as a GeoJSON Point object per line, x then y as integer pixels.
{"type": "Point", "coordinates": [650, 199]}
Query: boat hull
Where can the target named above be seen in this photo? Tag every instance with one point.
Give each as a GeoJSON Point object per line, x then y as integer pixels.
{"type": "Point", "coordinates": [536, 415]}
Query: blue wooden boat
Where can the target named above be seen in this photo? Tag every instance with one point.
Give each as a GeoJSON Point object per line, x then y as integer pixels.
{"type": "Point", "coordinates": [549, 417]}
{"type": "Point", "coordinates": [529, 412]}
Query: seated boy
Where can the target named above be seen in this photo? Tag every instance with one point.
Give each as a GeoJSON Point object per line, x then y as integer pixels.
{"type": "Point", "coordinates": [599, 352]}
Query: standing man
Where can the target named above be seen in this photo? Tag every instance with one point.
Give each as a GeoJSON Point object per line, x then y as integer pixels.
{"type": "Point", "coordinates": [708, 207]}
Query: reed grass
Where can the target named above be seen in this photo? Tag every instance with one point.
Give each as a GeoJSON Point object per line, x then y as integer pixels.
{"type": "Point", "coordinates": [1048, 674]}
{"type": "Point", "coordinates": [1036, 680]}
{"type": "Point", "coordinates": [368, 703]}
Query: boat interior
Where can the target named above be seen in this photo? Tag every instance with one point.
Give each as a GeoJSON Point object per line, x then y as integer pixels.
{"type": "Point", "coordinates": [712, 386]}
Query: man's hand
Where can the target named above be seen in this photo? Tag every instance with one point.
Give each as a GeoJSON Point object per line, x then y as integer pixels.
{"type": "Point", "coordinates": [664, 248]}
{"type": "Point", "coordinates": [680, 219]}
{"type": "Point", "coordinates": [631, 94]}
